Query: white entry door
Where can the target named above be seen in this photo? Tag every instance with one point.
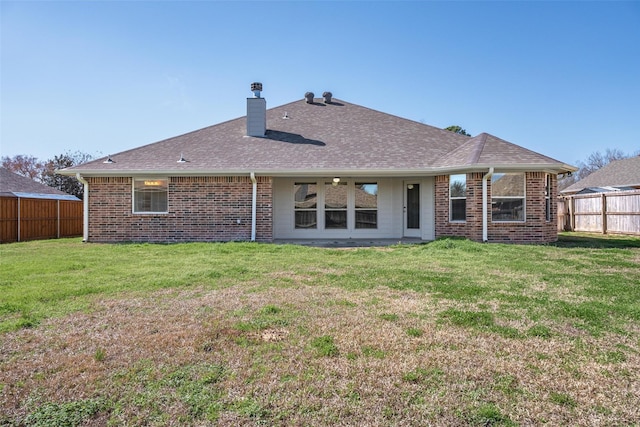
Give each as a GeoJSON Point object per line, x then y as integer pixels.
{"type": "Point", "coordinates": [412, 226]}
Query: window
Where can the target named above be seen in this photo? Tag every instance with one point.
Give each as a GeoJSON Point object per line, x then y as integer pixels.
{"type": "Point", "coordinates": [547, 197]}
{"type": "Point", "coordinates": [413, 206]}
{"type": "Point", "coordinates": [507, 197]}
{"type": "Point", "coordinates": [458, 197]}
{"type": "Point", "coordinates": [335, 205]}
{"type": "Point", "coordinates": [306, 205]}
{"type": "Point", "coordinates": [150, 195]}
{"type": "Point", "coordinates": [366, 196]}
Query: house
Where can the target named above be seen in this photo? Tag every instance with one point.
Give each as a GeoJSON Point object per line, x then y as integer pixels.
{"type": "Point", "coordinates": [618, 175]}
{"type": "Point", "coordinates": [321, 168]}
{"type": "Point", "coordinates": [30, 210]}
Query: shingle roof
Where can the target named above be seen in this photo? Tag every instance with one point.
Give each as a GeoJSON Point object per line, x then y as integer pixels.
{"type": "Point", "coordinates": [319, 138]}
{"type": "Point", "coordinates": [488, 150]}
{"type": "Point", "coordinates": [17, 185]}
{"type": "Point", "coordinates": [619, 173]}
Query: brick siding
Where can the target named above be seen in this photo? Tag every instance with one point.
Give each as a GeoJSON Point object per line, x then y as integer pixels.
{"type": "Point", "coordinates": [219, 209]}
{"type": "Point", "coordinates": [200, 209]}
{"type": "Point", "coordinates": [535, 228]}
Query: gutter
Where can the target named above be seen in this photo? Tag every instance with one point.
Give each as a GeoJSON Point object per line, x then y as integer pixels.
{"type": "Point", "coordinates": [254, 197]}
{"type": "Point", "coordinates": [310, 172]}
{"type": "Point", "coordinates": [487, 176]}
{"type": "Point", "coordinates": [85, 205]}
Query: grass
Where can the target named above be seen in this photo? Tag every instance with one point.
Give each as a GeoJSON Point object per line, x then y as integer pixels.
{"type": "Point", "coordinates": [450, 332]}
{"type": "Point", "coordinates": [325, 346]}
{"type": "Point", "coordinates": [64, 414]}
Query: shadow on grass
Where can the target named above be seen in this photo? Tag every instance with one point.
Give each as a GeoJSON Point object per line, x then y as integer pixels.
{"type": "Point", "coordinates": [596, 241]}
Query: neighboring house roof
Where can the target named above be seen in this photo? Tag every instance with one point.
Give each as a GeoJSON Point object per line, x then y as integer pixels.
{"type": "Point", "coordinates": [12, 184]}
{"type": "Point", "coordinates": [590, 190]}
{"type": "Point", "coordinates": [619, 174]}
{"type": "Point", "coordinates": [322, 138]}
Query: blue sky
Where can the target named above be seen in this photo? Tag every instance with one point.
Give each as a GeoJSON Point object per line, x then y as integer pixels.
{"type": "Point", "coordinates": [560, 78]}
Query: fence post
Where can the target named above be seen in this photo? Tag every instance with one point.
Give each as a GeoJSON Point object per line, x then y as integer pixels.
{"type": "Point", "coordinates": [572, 213]}
{"type": "Point", "coordinates": [58, 218]}
{"type": "Point", "coordinates": [604, 213]}
{"type": "Point", "coordinates": [18, 237]}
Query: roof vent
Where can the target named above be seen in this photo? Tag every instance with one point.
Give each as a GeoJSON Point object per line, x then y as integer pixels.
{"type": "Point", "coordinates": [109, 160]}
{"type": "Point", "coordinates": [309, 97]}
{"type": "Point", "coordinates": [256, 88]}
{"type": "Point", "coordinates": [327, 97]}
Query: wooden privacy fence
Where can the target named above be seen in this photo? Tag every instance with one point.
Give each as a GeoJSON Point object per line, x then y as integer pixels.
{"type": "Point", "coordinates": [32, 219]}
{"type": "Point", "coordinates": [615, 212]}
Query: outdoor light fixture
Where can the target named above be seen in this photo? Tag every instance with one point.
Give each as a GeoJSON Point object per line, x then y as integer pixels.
{"type": "Point", "coordinates": [410, 186]}
{"type": "Point", "coordinates": [336, 180]}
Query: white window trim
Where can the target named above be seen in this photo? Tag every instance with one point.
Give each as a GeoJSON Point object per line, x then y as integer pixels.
{"type": "Point", "coordinates": [350, 209]}
{"type": "Point", "coordinates": [133, 196]}
{"type": "Point", "coordinates": [547, 197]}
{"type": "Point", "coordinates": [316, 209]}
{"type": "Point", "coordinates": [458, 221]}
{"type": "Point", "coordinates": [347, 209]}
{"type": "Point", "coordinates": [356, 209]}
{"type": "Point", "coordinates": [524, 200]}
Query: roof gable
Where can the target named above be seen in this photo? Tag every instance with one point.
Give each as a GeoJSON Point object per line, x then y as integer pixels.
{"type": "Point", "coordinates": [485, 149]}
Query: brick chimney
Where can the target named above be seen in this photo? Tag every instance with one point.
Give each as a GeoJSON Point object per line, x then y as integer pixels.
{"type": "Point", "coordinates": [256, 112]}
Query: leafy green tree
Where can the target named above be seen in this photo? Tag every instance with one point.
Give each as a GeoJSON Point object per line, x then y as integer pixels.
{"type": "Point", "coordinates": [68, 184]}
{"type": "Point", "coordinates": [457, 129]}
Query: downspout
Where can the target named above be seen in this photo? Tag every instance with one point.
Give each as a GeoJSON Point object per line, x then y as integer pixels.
{"type": "Point", "coordinates": [484, 204]}
{"type": "Point", "coordinates": [85, 205]}
{"type": "Point", "coordinates": [254, 198]}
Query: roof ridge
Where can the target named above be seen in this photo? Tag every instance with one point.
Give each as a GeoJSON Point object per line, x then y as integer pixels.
{"type": "Point", "coordinates": [453, 152]}
{"type": "Point", "coordinates": [479, 147]}
{"type": "Point", "coordinates": [405, 119]}
{"type": "Point", "coordinates": [520, 147]}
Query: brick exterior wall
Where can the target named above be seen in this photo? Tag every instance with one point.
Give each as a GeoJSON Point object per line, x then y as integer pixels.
{"type": "Point", "coordinates": [208, 209]}
{"type": "Point", "coordinates": [200, 209]}
{"type": "Point", "coordinates": [535, 228]}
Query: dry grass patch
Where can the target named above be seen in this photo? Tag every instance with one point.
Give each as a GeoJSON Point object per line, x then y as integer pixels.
{"type": "Point", "coordinates": [254, 358]}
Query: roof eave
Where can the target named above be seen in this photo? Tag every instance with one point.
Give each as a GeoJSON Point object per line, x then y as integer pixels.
{"type": "Point", "coordinates": [395, 172]}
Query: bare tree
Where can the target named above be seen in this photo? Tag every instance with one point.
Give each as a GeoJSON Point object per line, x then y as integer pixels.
{"type": "Point", "coordinates": [595, 161]}
{"type": "Point", "coordinates": [24, 165]}
{"type": "Point", "coordinates": [68, 184]}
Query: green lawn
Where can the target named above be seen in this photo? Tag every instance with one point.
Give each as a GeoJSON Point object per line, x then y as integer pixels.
{"type": "Point", "coordinates": [446, 333]}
